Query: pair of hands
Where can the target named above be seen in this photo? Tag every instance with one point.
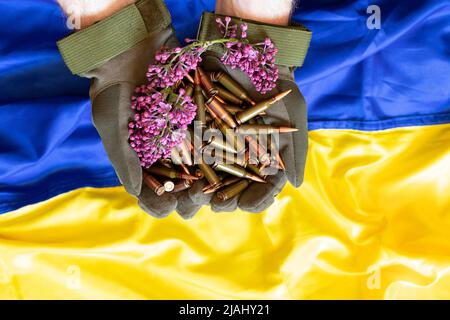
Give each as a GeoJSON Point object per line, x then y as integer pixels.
{"type": "Point", "coordinates": [112, 86]}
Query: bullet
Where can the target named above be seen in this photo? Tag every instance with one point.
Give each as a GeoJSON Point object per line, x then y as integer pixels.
{"type": "Point", "coordinates": [199, 174]}
{"type": "Point", "coordinates": [228, 96]}
{"type": "Point", "coordinates": [175, 156]}
{"type": "Point", "coordinates": [214, 106]}
{"type": "Point", "coordinates": [225, 157]}
{"type": "Point", "coordinates": [235, 109]}
{"type": "Point", "coordinates": [276, 154]}
{"type": "Point", "coordinates": [166, 163]}
{"type": "Point", "coordinates": [189, 90]}
{"type": "Point", "coordinates": [153, 184]}
{"type": "Point", "coordinates": [252, 112]}
{"type": "Point", "coordinates": [199, 100]}
{"type": "Point", "coordinates": [170, 173]}
{"type": "Point", "coordinates": [273, 151]}
{"type": "Point", "coordinates": [232, 109]}
{"type": "Point", "coordinates": [181, 186]}
{"type": "Point", "coordinates": [188, 76]}
{"type": "Point", "coordinates": [251, 158]}
{"type": "Point", "coordinates": [232, 139]}
{"type": "Point", "coordinates": [225, 182]}
{"type": "Point", "coordinates": [210, 175]}
{"type": "Point", "coordinates": [217, 143]}
{"type": "Point", "coordinates": [232, 190]}
{"type": "Point", "coordinates": [206, 82]}
{"type": "Point", "coordinates": [185, 152]}
{"type": "Point", "coordinates": [263, 129]}
{"type": "Point", "coordinates": [219, 99]}
{"type": "Point", "coordinates": [231, 85]}
{"type": "Point", "coordinates": [237, 171]}
{"type": "Point", "coordinates": [168, 186]}
{"type": "Point", "coordinates": [258, 150]}
{"type": "Point", "coordinates": [255, 169]}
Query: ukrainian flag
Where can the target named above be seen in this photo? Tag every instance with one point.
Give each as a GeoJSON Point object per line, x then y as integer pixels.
{"type": "Point", "coordinates": [371, 220]}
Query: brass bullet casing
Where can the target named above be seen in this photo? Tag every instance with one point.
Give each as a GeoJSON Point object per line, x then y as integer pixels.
{"type": "Point", "coordinates": [232, 139]}
{"type": "Point", "coordinates": [225, 182]}
{"type": "Point", "coordinates": [252, 112]}
{"type": "Point", "coordinates": [274, 153]}
{"type": "Point", "coordinates": [199, 100]}
{"type": "Point", "coordinates": [219, 99]}
{"type": "Point", "coordinates": [231, 85]}
{"type": "Point", "coordinates": [210, 175]}
{"type": "Point", "coordinates": [189, 90]}
{"type": "Point", "coordinates": [256, 170]}
{"type": "Point", "coordinates": [169, 173]}
{"type": "Point", "coordinates": [226, 157]}
{"type": "Point", "coordinates": [232, 190]}
{"type": "Point", "coordinates": [237, 171]}
{"type": "Point", "coordinates": [175, 156]}
{"type": "Point", "coordinates": [199, 174]}
{"type": "Point", "coordinates": [206, 82]}
{"type": "Point", "coordinates": [168, 185]}
{"type": "Point", "coordinates": [251, 158]}
{"type": "Point", "coordinates": [166, 163]}
{"type": "Point", "coordinates": [263, 129]}
{"type": "Point", "coordinates": [233, 109]}
{"type": "Point", "coordinates": [153, 184]}
{"type": "Point", "coordinates": [259, 150]}
{"type": "Point", "coordinates": [181, 186]}
{"type": "Point", "coordinates": [228, 96]}
{"type": "Point", "coordinates": [219, 110]}
{"type": "Point", "coordinates": [185, 151]}
{"type": "Point", "coordinates": [190, 79]}
{"type": "Point", "coordinates": [220, 144]}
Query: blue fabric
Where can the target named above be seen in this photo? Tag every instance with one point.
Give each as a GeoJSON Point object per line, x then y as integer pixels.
{"type": "Point", "coordinates": [356, 78]}
{"type": "Point", "coordinates": [353, 78]}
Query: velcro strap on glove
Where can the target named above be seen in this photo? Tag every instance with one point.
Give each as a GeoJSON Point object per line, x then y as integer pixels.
{"type": "Point", "coordinates": [89, 48]}
{"type": "Point", "coordinates": [292, 41]}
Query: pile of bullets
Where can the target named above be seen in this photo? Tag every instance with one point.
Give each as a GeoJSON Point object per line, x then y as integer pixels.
{"type": "Point", "coordinates": [238, 158]}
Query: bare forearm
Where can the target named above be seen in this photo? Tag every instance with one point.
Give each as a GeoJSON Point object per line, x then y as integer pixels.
{"type": "Point", "coordinates": [269, 11]}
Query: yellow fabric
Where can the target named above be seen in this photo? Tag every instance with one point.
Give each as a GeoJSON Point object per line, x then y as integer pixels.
{"type": "Point", "coordinates": [372, 220]}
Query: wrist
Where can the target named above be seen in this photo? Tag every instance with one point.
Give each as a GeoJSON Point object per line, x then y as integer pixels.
{"type": "Point", "coordinates": [83, 13]}
{"type": "Point", "coordinates": [268, 11]}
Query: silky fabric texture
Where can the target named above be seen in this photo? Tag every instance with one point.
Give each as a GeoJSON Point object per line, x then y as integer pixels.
{"type": "Point", "coordinates": [353, 78]}
{"type": "Point", "coordinates": [370, 221]}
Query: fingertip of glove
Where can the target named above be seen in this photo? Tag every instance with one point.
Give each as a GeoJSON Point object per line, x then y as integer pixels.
{"type": "Point", "coordinates": [197, 195]}
{"type": "Point", "coordinates": [248, 202]}
{"type": "Point", "coordinates": [157, 206]}
{"type": "Point", "coordinates": [224, 206]}
{"type": "Point", "coordinates": [185, 207]}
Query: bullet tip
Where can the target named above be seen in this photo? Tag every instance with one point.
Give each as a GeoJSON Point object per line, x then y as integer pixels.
{"type": "Point", "coordinates": [256, 178]}
{"type": "Point", "coordinates": [197, 80]}
{"type": "Point", "coordinates": [288, 130]}
{"type": "Point", "coordinates": [188, 76]}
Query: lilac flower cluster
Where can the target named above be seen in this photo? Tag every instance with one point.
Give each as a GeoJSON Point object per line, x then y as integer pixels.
{"type": "Point", "coordinates": [158, 126]}
{"type": "Point", "coordinates": [159, 122]}
{"type": "Point", "coordinates": [172, 65]}
{"type": "Point", "coordinates": [256, 60]}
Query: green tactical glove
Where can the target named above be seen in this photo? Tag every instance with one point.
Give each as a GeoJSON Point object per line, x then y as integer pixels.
{"type": "Point", "coordinates": [292, 43]}
{"type": "Point", "coordinates": [115, 54]}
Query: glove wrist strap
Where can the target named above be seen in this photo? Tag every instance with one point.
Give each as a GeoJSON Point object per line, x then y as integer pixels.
{"type": "Point", "coordinates": [292, 41]}
{"type": "Point", "coordinates": [89, 48]}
